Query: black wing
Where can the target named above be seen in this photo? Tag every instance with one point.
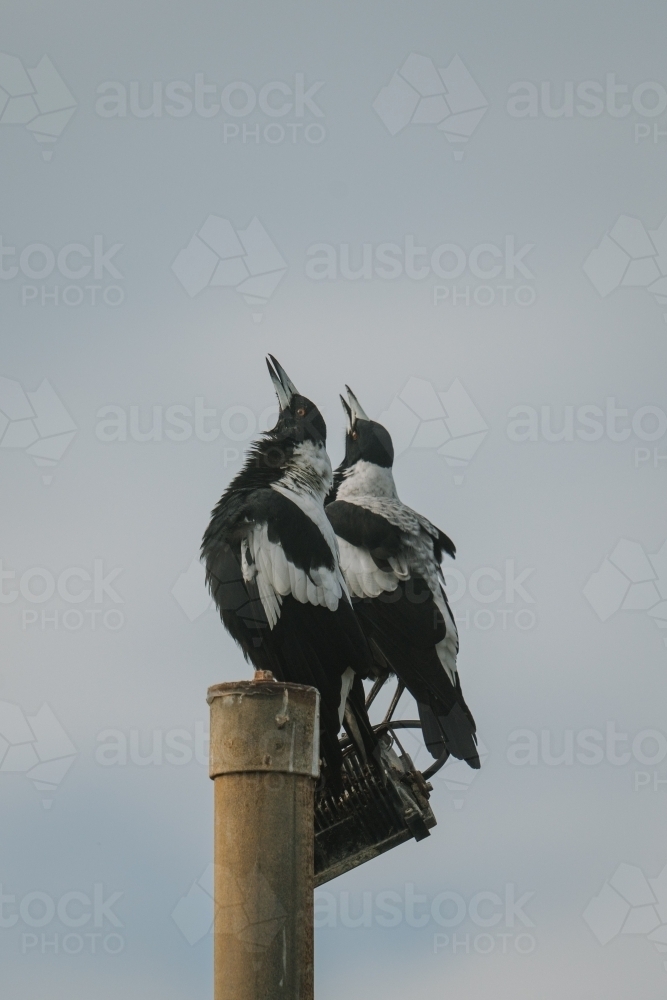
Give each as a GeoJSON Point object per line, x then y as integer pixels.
{"type": "Point", "coordinates": [405, 625]}
{"type": "Point", "coordinates": [365, 529]}
{"type": "Point", "coordinates": [308, 643]}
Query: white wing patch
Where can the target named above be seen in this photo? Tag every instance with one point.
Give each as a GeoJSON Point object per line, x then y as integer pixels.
{"type": "Point", "coordinates": [362, 575]}
{"type": "Point", "coordinates": [417, 535]}
{"type": "Point", "coordinates": [264, 562]}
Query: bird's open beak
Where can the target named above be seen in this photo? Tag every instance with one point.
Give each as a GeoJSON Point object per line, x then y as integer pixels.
{"type": "Point", "coordinates": [283, 385]}
{"type": "Point", "coordinates": [354, 410]}
{"type": "Point", "coordinates": [348, 413]}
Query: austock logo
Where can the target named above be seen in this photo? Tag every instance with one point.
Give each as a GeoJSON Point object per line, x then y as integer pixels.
{"type": "Point", "coordinates": [498, 922]}
{"type": "Point", "coordinates": [36, 746]}
{"type": "Point", "coordinates": [87, 267]}
{"type": "Point", "coordinates": [420, 94]}
{"type": "Point", "coordinates": [591, 99]}
{"type": "Point", "coordinates": [447, 261]}
{"type": "Point", "coordinates": [629, 903]}
{"type": "Point", "coordinates": [74, 585]}
{"type": "Point", "coordinates": [485, 586]}
{"type": "Point", "coordinates": [492, 598]}
{"type": "Point", "coordinates": [38, 99]}
{"type": "Point", "coordinates": [593, 747]}
{"type": "Point", "coordinates": [65, 915]}
{"type": "Point", "coordinates": [35, 422]}
{"type": "Point", "coordinates": [456, 776]}
{"type": "Point", "coordinates": [592, 422]}
{"type": "Point", "coordinates": [267, 111]}
{"type": "Point", "coordinates": [629, 579]}
{"type": "Point", "coordinates": [218, 256]}
{"type": "Point", "coordinates": [254, 913]}
{"type": "Point", "coordinates": [630, 256]}
{"type": "Point", "coordinates": [191, 593]}
{"type": "Point", "coordinates": [176, 747]}
{"type": "Point", "coordinates": [179, 422]}
{"type": "Point", "coordinates": [449, 423]}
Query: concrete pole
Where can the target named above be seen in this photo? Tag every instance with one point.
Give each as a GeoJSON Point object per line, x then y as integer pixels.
{"type": "Point", "coordinates": [264, 760]}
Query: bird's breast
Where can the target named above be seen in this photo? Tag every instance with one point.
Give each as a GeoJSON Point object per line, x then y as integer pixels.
{"type": "Point", "coordinates": [367, 479]}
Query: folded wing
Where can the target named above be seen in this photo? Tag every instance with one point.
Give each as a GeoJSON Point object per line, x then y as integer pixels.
{"type": "Point", "coordinates": [281, 594]}
{"type": "Point", "coordinates": [392, 570]}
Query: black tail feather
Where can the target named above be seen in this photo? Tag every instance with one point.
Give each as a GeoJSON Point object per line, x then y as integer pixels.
{"type": "Point", "coordinates": [431, 730]}
{"type": "Point", "coordinates": [406, 632]}
{"type": "Point", "coordinates": [451, 732]}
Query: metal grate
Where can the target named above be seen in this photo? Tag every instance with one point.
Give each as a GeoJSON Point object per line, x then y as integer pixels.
{"type": "Point", "coordinates": [373, 815]}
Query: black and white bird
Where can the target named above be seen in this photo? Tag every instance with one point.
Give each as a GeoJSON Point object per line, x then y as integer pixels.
{"type": "Point", "coordinates": [391, 560]}
{"type": "Point", "coordinates": [272, 567]}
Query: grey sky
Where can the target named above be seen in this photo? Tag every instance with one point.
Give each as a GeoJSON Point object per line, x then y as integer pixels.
{"type": "Point", "coordinates": [501, 296]}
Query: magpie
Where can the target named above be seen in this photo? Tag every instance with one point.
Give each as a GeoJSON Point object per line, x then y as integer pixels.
{"type": "Point", "coordinates": [391, 560]}
{"type": "Point", "coordinates": [272, 568]}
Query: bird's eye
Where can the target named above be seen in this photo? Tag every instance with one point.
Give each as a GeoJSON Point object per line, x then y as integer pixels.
{"type": "Point", "coordinates": [301, 412]}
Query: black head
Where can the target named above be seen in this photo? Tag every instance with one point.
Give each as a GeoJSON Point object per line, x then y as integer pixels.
{"type": "Point", "coordinates": [299, 419]}
{"type": "Point", "coordinates": [366, 440]}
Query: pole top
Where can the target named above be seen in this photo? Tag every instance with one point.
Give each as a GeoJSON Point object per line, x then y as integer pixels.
{"type": "Point", "coordinates": [264, 725]}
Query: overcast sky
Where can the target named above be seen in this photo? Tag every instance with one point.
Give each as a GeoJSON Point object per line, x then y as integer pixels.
{"type": "Point", "coordinates": [456, 209]}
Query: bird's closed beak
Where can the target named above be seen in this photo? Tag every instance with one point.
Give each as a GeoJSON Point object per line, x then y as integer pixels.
{"type": "Point", "coordinates": [354, 410]}
{"type": "Point", "coordinates": [282, 383]}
